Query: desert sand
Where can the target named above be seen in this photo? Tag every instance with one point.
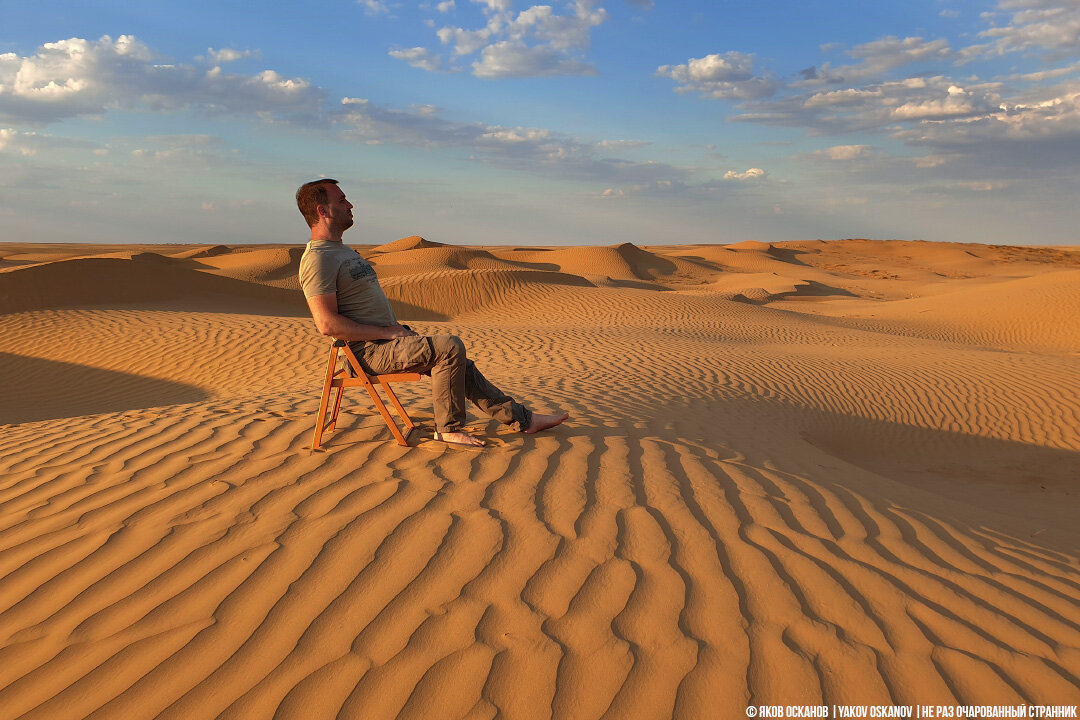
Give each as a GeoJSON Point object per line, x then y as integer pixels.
{"type": "Point", "coordinates": [795, 473]}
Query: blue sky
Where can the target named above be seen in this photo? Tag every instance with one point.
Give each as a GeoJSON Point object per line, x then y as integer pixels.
{"type": "Point", "coordinates": [581, 122]}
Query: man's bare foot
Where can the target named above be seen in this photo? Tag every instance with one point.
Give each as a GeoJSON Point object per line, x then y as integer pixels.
{"type": "Point", "coordinates": [543, 422]}
{"type": "Point", "coordinates": [459, 438]}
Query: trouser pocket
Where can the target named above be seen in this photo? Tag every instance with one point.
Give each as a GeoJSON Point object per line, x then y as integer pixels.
{"type": "Point", "coordinates": [407, 354]}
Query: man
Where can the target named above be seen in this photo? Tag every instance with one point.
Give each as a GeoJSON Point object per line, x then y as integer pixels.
{"type": "Point", "coordinates": [347, 303]}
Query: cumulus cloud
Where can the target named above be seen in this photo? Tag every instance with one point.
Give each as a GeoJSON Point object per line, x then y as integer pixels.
{"type": "Point", "coordinates": [81, 77]}
{"type": "Point", "coordinates": [730, 75]}
{"type": "Point", "coordinates": [537, 41]}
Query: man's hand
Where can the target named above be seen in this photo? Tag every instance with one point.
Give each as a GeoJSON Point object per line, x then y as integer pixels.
{"type": "Point", "coordinates": [399, 331]}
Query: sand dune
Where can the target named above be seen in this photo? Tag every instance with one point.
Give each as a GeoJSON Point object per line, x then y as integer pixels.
{"type": "Point", "coordinates": [755, 287]}
{"type": "Point", "coordinates": [621, 262]}
{"type": "Point", "coordinates": [436, 259]}
{"type": "Point", "coordinates": [1037, 313]}
{"type": "Point", "coordinates": [413, 242]}
{"type": "Point", "coordinates": [444, 294]}
{"type": "Point", "coordinates": [207, 251]}
{"type": "Point", "coordinates": [146, 277]}
{"type": "Point", "coordinates": [277, 267]}
{"type": "Point", "coordinates": [859, 488]}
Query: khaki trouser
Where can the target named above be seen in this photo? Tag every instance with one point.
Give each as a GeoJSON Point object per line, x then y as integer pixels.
{"type": "Point", "coordinates": [454, 378]}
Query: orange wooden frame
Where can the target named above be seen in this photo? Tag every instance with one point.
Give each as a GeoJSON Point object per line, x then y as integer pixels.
{"type": "Point", "coordinates": [341, 379]}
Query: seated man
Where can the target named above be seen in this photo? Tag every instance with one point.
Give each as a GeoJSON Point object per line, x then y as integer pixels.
{"type": "Point", "coordinates": [348, 303]}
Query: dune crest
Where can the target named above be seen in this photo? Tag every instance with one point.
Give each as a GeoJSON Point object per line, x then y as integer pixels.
{"type": "Point", "coordinates": [412, 242]}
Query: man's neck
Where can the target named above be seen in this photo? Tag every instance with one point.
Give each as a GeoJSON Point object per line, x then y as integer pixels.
{"type": "Point", "coordinates": [323, 233]}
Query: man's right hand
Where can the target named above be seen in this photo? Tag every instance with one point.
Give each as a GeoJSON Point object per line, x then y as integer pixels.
{"type": "Point", "coordinates": [398, 331]}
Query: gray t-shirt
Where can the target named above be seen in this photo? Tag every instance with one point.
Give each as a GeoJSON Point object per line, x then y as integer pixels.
{"type": "Point", "coordinates": [331, 267]}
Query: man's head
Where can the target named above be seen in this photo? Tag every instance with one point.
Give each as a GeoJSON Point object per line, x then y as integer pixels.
{"type": "Point", "coordinates": [324, 199]}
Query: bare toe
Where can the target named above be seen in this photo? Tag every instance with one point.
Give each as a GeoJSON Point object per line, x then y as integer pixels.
{"type": "Point", "coordinates": [543, 422]}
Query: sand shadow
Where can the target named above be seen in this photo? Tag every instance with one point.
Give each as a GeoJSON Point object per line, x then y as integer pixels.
{"type": "Point", "coordinates": [1033, 488]}
{"type": "Point", "coordinates": [148, 280]}
{"type": "Point", "coordinates": [409, 312]}
{"type": "Point", "coordinates": [35, 389]}
{"type": "Point", "coordinates": [789, 255]}
{"type": "Point", "coordinates": [813, 288]}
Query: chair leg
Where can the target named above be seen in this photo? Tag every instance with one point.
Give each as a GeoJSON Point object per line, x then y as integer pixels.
{"type": "Point", "coordinates": [397, 406]}
{"type": "Point", "coordinates": [321, 417]}
{"type": "Point", "coordinates": [337, 408]}
{"type": "Point", "coordinates": [387, 417]}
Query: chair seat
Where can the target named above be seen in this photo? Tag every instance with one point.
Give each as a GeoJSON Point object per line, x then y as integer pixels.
{"type": "Point", "coordinates": [352, 376]}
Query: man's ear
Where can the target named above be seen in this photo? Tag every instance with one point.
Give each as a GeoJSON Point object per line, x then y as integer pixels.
{"type": "Point", "coordinates": [320, 211]}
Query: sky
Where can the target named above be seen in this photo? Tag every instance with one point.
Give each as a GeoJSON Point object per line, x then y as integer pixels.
{"type": "Point", "coordinates": [578, 122]}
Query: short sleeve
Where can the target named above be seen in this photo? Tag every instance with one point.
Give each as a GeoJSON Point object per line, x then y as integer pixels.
{"type": "Point", "coordinates": [318, 273]}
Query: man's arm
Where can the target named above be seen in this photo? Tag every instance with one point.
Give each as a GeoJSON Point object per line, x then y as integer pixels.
{"type": "Point", "coordinates": [324, 309]}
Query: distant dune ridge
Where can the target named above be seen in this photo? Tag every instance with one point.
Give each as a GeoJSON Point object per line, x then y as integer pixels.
{"type": "Point", "coordinates": [798, 473]}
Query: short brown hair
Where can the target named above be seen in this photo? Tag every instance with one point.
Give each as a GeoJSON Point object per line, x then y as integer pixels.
{"type": "Point", "coordinates": [310, 196]}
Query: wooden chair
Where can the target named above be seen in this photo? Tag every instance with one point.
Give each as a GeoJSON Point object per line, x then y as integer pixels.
{"type": "Point", "coordinates": [351, 376]}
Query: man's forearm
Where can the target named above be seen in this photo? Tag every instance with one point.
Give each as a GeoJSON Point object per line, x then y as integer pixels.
{"type": "Point", "coordinates": [343, 328]}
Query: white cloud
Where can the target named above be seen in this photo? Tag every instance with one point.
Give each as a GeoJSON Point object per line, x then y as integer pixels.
{"type": "Point", "coordinates": [185, 150]}
{"type": "Point", "coordinates": [511, 58]}
{"type": "Point", "coordinates": [446, 6]}
{"type": "Point", "coordinates": [1049, 74]}
{"type": "Point", "coordinates": [537, 41]}
{"type": "Point", "coordinates": [530, 149]}
{"type": "Point", "coordinates": [750, 175]}
{"type": "Point", "coordinates": [845, 152]}
{"type": "Point", "coordinates": [81, 77]}
{"type": "Point", "coordinates": [929, 161]}
{"type": "Point", "coordinates": [374, 7]}
{"type": "Point", "coordinates": [1055, 118]}
{"type": "Point", "coordinates": [226, 55]}
{"type": "Point", "coordinates": [418, 57]}
{"type": "Point", "coordinates": [891, 52]}
{"type": "Point", "coordinates": [1037, 25]}
{"type": "Point", "coordinates": [979, 186]}
{"type": "Point", "coordinates": [878, 105]}
{"type": "Point", "coordinates": [877, 59]}
{"type": "Point", "coordinates": [730, 75]}
{"type": "Point", "coordinates": [1011, 125]}
{"type": "Point", "coordinates": [29, 143]}
{"type": "Point", "coordinates": [9, 141]}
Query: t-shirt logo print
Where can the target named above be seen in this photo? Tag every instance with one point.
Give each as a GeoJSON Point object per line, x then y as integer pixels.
{"type": "Point", "coordinates": [359, 268]}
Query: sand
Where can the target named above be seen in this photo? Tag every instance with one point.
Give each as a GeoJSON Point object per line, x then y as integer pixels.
{"type": "Point", "coordinates": [796, 473]}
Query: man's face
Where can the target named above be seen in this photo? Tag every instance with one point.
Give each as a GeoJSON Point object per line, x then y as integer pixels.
{"type": "Point", "coordinates": [338, 209]}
